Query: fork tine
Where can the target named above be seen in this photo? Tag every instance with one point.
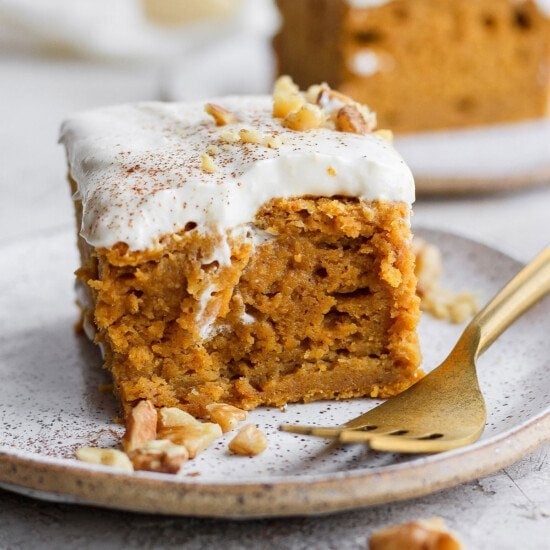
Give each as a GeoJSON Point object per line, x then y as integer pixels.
{"type": "Point", "coordinates": [318, 431]}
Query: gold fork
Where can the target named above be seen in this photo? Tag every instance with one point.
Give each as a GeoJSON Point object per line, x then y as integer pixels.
{"type": "Point", "coordinates": [445, 409]}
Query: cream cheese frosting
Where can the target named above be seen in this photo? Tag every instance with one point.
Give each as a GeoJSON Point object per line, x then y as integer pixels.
{"type": "Point", "coordinates": [139, 172]}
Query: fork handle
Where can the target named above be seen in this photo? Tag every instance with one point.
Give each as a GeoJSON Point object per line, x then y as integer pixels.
{"type": "Point", "coordinates": [524, 290]}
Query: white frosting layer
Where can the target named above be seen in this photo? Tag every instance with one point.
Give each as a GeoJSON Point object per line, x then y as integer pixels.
{"type": "Point", "coordinates": [139, 175]}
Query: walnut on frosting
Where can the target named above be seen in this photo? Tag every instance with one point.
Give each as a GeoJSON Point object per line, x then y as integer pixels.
{"type": "Point", "coordinates": [207, 164]}
{"type": "Point", "coordinates": [319, 107]}
{"type": "Point", "coordinates": [220, 115]}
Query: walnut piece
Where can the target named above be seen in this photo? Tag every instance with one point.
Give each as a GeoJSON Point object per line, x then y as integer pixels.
{"type": "Point", "coordinates": [286, 97]}
{"type": "Point", "coordinates": [385, 134]}
{"type": "Point", "coordinates": [250, 136]}
{"type": "Point", "coordinates": [141, 426]}
{"type": "Point", "coordinates": [195, 437]}
{"type": "Point", "coordinates": [170, 417]}
{"type": "Point", "coordinates": [107, 457]}
{"type": "Point", "coordinates": [428, 534]}
{"type": "Point", "coordinates": [159, 456]}
{"type": "Point", "coordinates": [350, 119]}
{"type": "Point", "coordinates": [220, 115]}
{"type": "Point", "coordinates": [250, 441]}
{"type": "Point", "coordinates": [230, 136]}
{"type": "Point", "coordinates": [308, 117]}
{"type": "Point", "coordinates": [227, 416]}
{"type": "Point", "coordinates": [207, 164]}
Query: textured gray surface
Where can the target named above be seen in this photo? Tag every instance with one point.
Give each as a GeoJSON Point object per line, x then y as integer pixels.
{"type": "Point", "coordinates": [508, 510]}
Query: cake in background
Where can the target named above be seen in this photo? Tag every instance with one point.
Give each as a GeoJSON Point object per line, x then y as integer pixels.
{"type": "Point", "coordinates": [424, 64]}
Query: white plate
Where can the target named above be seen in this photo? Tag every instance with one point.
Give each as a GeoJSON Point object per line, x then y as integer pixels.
{"type": "Point", "coordinates": [51, 406]}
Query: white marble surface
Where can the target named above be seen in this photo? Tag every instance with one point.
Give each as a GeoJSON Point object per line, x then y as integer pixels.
{"type": "Point", "coordinates": [508, 510]}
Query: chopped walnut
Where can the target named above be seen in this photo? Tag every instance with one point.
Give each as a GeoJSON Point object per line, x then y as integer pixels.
{"type": "Point", "coordinates": [230, 136]}
{"type": "Point", "coordinates": [308, 117]}
{"type": "Point", "coordinates": [141, 426]}
{"type": "Point", "coordinates": [221, 115]}
{"type": "Point", "coordinates": [273, 142]}
{"type": "Point", "coordinates": [250, 136]}
{"type": "Point", "coordinates": [350, 119]}
{"type": "Point", "coordinates": [385, 134]}
{"type": "Point", "coordinates": [207, 164]}
{"type": "Point", "coordinates": [250, 441]}
{"type": "Point", "coordinates": [428, 534]}
{"type": "Point", "coordinates": [213, 150]}
{"type": "Point", "coordinates": [331, 171]}
{"type": "Point", "coordinates": [170, 417]}
{"type": "Point", "coordinates": [159, 456]}
{"type": "Point", "coordinates": [227, 416]}
{"type": "Point", "coordinates": [330, 100]}
{"type": "Point", "coordinates": [107, 457]}
{"type": "Point", "coordinates": [194, 437]}
{"type": "Point", "coordinates": [286, 97]}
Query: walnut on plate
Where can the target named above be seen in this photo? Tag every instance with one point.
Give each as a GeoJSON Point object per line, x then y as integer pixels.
{"type": "Point", "coordinates": [227, 416]}
{"type": "Point", "coordinates": [141, 426]}
{"type": "Point", "coordinates": [107, 457]}
{"type": "Point", "coordinates": [160, 455]}
{"type": "Point", "coordinates": [250, 441]}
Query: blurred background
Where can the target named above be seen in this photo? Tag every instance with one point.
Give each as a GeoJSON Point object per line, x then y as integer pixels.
{"type": "Point", "coordinates": [62, 56]}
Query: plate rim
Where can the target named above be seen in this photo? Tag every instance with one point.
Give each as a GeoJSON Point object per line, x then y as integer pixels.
{"type": "Point", "coordinates": [50, 477]}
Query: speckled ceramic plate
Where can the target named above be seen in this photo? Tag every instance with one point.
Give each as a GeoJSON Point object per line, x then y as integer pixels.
{"type": "Point", "coordinates": [51, 406]}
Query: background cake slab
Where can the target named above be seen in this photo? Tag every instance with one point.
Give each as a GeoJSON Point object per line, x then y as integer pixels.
{"type": "Point", "coordinates": [51, 405]}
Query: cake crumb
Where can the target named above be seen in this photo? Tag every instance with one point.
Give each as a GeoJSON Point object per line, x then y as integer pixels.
{"type": "Point", "coordinates": [434, 299]}
{"type": "Point", "coordinates": [331, 171]}
{"type": "Point", "coordinates": [428, 534]}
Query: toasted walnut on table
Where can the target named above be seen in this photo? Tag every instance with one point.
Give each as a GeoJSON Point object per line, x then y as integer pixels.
{"type": "Point", "coordinates": [429, 534]}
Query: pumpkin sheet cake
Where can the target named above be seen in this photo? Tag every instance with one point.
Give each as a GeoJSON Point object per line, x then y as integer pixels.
{"type": "Point", "coordinates": [245, 250]}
